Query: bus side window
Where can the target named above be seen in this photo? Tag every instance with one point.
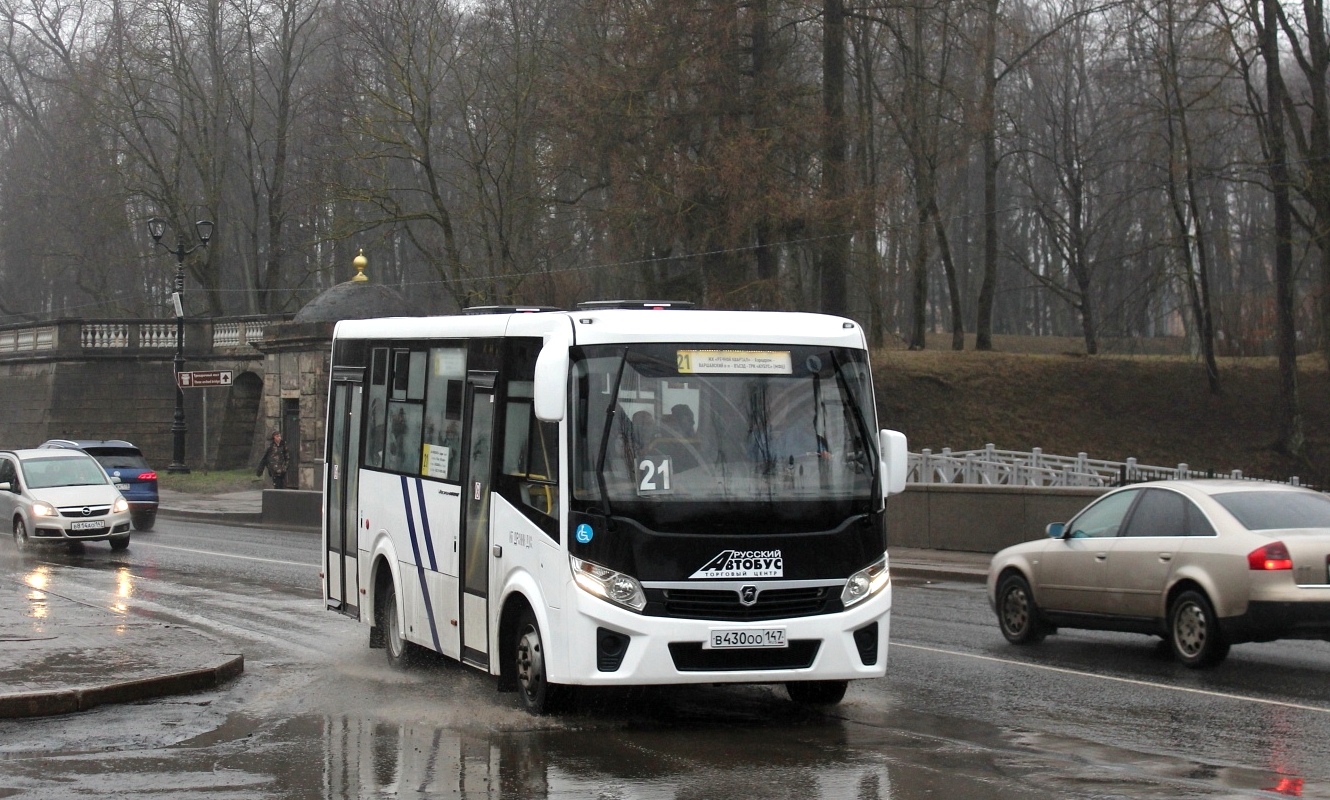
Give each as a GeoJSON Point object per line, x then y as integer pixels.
{"type": "Point", "coordinates": [531, 453]}
{"type": "Point", "coordinates": [440, 450]}
{"type": "Point", "coordinates": [376, 420]}
{"type": "Point", "coordinates": [406, 412]}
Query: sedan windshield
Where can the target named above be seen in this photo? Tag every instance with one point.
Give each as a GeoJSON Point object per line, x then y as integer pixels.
{"type": "Point", "coordinates": [45, 473]}
{"type": "Point", "coordinates": [679, 425]}
{"type": "Point", "coordinates": [1270, 511]}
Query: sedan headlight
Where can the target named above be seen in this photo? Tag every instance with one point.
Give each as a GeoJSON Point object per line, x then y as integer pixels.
{"type": "Point", "coordinates": [866, 582]}
{"type": "Point", "coordinates": [120, 504]}
{"type": "Point", "coordinates": [616, 587]}
{"type": "Point", "coordinates": [43, 509]}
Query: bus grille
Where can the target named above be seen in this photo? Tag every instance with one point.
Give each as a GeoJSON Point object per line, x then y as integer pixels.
{"type": "Point", "coordinates": [690, 657]}
{"type": "Point", "coordinates": [723, 604]}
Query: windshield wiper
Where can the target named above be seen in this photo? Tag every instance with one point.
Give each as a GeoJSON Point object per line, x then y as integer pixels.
{"type": "Point", "coordinates": [857, 408]}
{"type": "Point", "coordinates": [605, 433]}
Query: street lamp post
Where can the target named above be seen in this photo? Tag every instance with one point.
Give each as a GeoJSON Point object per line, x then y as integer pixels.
{"type": "Point", "coordinates": [157, 229]}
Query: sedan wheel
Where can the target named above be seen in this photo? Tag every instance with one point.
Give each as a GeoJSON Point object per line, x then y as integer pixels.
{"type": "Point", "coordinates": [1193, 631]}
{"type": "Point", "coordinates": [1018, 616]}
{"type": "Point", "coordinates": [20, 535]}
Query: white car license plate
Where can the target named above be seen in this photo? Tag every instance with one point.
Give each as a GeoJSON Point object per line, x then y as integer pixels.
{"type": "Point", "coordinates": [87, 525]}
{"type": "Point", "coordinates": [736, 638]}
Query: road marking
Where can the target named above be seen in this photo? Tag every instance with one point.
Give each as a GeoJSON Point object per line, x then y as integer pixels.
{"type": "Point", "coordinates": [229, 555]}
{"type": "Point", "coordinates": [1132, 681]}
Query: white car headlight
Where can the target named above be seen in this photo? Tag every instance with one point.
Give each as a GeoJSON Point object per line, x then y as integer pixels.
{"type": "Point", "coordinates": [616, 587]}
{"type": "Point", "coordinates": [42, 508]}
{"type": "Point", "coordinates": [120, 504]}
{"type": "Point", "coordinates": [866, 582]}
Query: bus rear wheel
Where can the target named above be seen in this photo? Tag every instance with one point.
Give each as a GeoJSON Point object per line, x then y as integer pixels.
{"type": "Point", "coordinates": [400, 651]}
{"type": "Point", "coordinates": [539, 696]}
{"type": "Point", "coordinates": [817, 693]}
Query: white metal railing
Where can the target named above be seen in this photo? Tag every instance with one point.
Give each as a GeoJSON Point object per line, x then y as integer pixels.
{"type": "Point", "coordinates": [994, 467]}
{"type": "Point", "coordinates": [28, 339]}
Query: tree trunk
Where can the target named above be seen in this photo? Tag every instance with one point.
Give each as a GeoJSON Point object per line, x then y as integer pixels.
{"type": "Point", "coordinates": [835, 247]}
{"type": "Point", "coordinates": [1292, 439]}
{"type": "Point", "coordinates": [983, 324]}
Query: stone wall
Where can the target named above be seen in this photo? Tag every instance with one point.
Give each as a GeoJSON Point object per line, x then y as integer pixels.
{"type": "Point", "coordinates": [295, 396]}
{"type": "Point", "coordinates": [131, 399]}
{"type": "Point", "coordinates": [26, 392]}
{"type": "Point", "coordinates": [978, 519]}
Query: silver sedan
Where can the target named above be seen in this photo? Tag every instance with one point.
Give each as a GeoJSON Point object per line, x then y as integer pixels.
{"type": "Point", "coordinates": [1204, 564]}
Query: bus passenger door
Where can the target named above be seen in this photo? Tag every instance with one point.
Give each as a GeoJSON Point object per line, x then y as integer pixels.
{"type": "Point", "coordinates": [476, 519]}
{"type": "Point", "coordinates": [341, 526]}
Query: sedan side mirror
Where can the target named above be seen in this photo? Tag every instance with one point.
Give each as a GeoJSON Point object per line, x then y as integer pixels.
{"type": "Point", "coordinates": [1056, 530]}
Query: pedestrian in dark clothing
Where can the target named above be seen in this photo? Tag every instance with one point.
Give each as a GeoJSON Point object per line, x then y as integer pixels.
{"type": "Point", "coordinates": [275, 460]}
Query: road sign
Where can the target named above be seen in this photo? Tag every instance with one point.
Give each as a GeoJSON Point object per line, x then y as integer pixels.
{"type": "Point", "coordinates": [202, 379]}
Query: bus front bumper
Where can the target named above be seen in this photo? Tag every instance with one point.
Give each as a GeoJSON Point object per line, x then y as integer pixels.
{"type": "Point", "coordinates": [609, 646]}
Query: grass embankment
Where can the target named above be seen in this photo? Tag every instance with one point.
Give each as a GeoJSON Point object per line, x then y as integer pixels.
{"type": "Point", "coordinates": [1157, 409]}
{"type": "Point", "coordinates": [1154, 408]}
{"type": "Point", "coordinates": [214, 482]}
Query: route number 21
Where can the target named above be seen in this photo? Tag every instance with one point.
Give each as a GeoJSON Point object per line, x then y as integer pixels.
{"type": "Point", "coordinates": [655, 476]}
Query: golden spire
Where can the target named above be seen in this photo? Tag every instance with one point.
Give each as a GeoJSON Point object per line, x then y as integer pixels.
{"type": "Point", "coordinates": [360, 263]}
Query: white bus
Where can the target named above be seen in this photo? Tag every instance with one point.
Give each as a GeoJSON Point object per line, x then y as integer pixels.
{"type": "Point", "coordinates": [622, 494]}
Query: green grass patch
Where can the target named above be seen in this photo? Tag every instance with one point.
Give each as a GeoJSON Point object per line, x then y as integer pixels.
{"type": "Point", "coordinates": [215, 482]}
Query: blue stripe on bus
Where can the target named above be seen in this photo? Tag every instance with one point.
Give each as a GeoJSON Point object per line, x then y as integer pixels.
{"type": "Point", "coordinates": [424, 524]}
{"type": "Point", "coordinates": [420, 568]}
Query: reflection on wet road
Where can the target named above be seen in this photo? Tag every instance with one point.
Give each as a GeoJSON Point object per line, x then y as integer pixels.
{"type": "Point", "coordinates": [961, 714]}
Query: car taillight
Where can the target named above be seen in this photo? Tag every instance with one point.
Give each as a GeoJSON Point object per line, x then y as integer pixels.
{"type": "Point", "coordinates": [148, 476]}
{"type": "Point", "coordinates": [1271, 557]}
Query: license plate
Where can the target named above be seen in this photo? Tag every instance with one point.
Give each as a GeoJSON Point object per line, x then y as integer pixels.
{"type": "Point", "coordinates": [87, 525]}
{"type": "Point", "coordinates": [737, 638]}
{"type": "Point", "coordinates": [122, 486]}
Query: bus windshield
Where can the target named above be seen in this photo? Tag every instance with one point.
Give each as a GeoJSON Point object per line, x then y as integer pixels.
{"type": "Point", "coordinates": [676, 434]}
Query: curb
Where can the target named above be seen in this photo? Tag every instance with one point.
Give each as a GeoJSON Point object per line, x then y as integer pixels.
{"type": "Point", "coordinates": [939, 573]}
{"type": "Point", "coordinates": [68, 701]}
{"type": "Point", "coordinates": [247, 519]}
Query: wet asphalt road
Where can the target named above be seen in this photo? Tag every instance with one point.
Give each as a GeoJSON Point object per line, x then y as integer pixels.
{"type": "Point", "coordinates": [961, 714]}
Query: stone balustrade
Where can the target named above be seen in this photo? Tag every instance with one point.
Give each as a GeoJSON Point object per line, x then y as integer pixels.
{"type": "Point", "coordinates": [30, 339]}
{"type": "Point", "coordinates": [107, 337]}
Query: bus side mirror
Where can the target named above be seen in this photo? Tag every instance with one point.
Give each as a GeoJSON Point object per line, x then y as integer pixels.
{"type": "Point", "coordinates": [551, 379]}
{"type": "Point", "coordinates": [895, 464]}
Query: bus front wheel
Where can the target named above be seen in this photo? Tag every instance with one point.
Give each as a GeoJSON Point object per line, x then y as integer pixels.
{"type": "Point", "coordinates": [539, 696]}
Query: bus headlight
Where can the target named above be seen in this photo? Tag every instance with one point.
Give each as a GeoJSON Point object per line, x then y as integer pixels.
{"type": "Point", "coordinates": [616, 587]}
{"type": "Point", "coordinates": [866, 582]}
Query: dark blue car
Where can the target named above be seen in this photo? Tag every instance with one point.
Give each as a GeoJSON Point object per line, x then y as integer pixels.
{"type": "Point", "coordinates": [129, 471]}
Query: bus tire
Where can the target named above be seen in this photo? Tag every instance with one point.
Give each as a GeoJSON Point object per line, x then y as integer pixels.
{"type": "Point", "coordinates": [539, 696]}
{"type": "Point", "coordinates": [817, 693]}
{"type": "Point", "coordinates": [401, 653]}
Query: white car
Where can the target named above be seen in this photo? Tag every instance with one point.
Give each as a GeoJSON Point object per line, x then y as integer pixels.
{"type": "Point", "coordinates": [61, 496]}
{"type": "Point", "coordinates": [1204, 564]}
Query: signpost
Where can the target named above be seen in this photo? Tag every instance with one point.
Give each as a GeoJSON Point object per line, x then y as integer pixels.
{"type": "Point", "coordinates": [202, 379]}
